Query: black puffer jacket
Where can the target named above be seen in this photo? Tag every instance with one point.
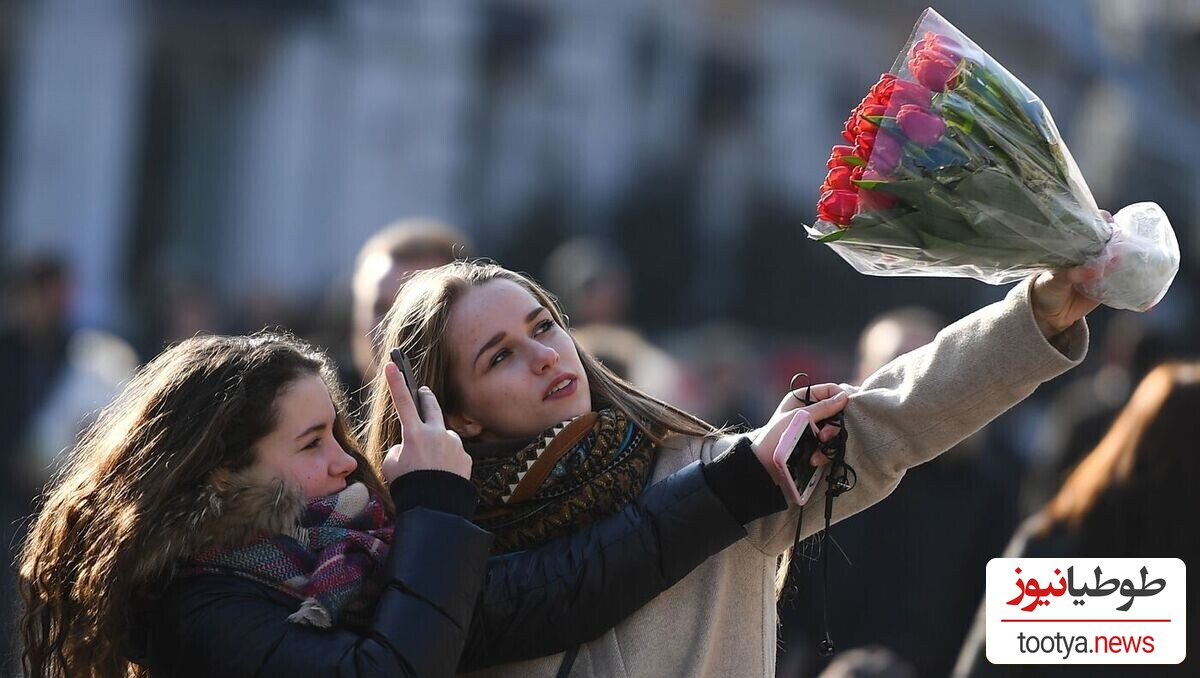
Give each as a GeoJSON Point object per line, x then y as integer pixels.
{"type": "Point", "coordinates": [447, 605]}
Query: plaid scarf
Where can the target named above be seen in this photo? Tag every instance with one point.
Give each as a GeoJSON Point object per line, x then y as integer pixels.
{"type": "Point", "coordinates": [328, 562]}
{"type": "Point", "coordinates": [573, 474]}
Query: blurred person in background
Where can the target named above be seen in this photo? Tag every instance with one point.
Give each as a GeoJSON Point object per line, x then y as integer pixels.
{"type": "Point", "coordinates": [593, 284]}
{"type": "Point", "coordinates": [187, 308]}
{"type": "Point", "coordinates": [546, 425]}
{"type": "Point", "coordinates": [591, 278]}
{"type": "Point", "coordinates": [1079, 415]}
{"type": "Point", "coordinates": [57, 378]}
{"type": "Point", "coordinates": [1128, 498]}
{"type": "Point", "coordinates": [921, 624]}
{"type": "Point", "coordinates": [384, 262]}
{"type": "Point", "coordinates": [725, 374]}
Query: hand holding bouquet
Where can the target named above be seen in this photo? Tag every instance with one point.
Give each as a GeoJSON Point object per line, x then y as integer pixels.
{"type": "Point", "coordinates": [952, 167]}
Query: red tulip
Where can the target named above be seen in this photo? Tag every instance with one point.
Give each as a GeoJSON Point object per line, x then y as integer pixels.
{"type": "Point", "coordinates": [920, 125]}
{"type": "Point", "coordinates": [837, 206]}
{"type": "Point", "coordinates": [839, 179]}
{"type": "Point", "coordinates": [905, 92]}
{"type": "Point", "coordinates": [863, 143]}
{"type": "Point", "coordinates": [882, 90]}
{"type": "Point", "coordinates": [886, 156]}
{"type": "Point", "coordinates": [838, 156]}
{"type": "Point", "coordinates": [869, 110]}
{"type": "Point", "coordinates": [932, 43]}
{"type": "Point", "coordinates": [850, 129]}
{"type": "Point", "coordinates": [934, 71]}
{"type": "Point", "coordinates": [933, 60]}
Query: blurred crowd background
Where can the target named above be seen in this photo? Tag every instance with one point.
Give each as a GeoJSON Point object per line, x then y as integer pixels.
{"type": "Point", "coordinates": [174, 167]}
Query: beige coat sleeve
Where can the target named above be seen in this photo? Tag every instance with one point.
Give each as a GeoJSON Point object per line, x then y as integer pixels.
{"type": "Point", "coordinates": [926, 401]}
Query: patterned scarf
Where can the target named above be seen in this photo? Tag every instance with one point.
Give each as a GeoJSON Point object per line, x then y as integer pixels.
{"type": "Point", "coordinates": [571, 475]}
{"type": "Point", "coordinates": [328, 562]}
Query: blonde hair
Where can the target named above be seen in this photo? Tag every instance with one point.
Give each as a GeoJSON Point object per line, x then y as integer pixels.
{"type": "Point", "coordinates": [418, 321]}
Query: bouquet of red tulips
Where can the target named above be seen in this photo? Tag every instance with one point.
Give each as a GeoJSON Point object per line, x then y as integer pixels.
{"type": "Point", "coordinates": [952, 167]}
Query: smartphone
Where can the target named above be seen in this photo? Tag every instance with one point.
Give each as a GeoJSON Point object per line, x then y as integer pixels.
{"type": "Point", "coordinates": [816, 475]}
{"type": "Point", "coordinates": [800, 440]}
{"type": "Point", "coordinates": [410, 381]}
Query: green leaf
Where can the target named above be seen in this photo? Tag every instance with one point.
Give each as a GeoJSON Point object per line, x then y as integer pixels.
{"type": "Point", "coordinates": [835, 236]}
{"type": "Point", "coordinates": [869, 184]}
{"type": "Point", "coordinates": [949, 175]}
{"type": "Point", "coordinates": [853, 160]}
{"type": "Point", "coordinates": [1027, 217]}
{"type": "Point", "coordinates": [966, 126]}
{"type": "Point", "coordinates": [935, 207]}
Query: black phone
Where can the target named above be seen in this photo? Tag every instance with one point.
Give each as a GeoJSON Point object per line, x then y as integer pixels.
{"type": "Point", "coordinates": [410, 381]}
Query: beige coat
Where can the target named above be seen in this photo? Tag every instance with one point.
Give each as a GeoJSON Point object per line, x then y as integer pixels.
{"type": "Point", "coordinates": [720, 619]}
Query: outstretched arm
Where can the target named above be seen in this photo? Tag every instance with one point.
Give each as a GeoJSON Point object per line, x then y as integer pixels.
{"type": "Point", "coordinates": [928, 400]}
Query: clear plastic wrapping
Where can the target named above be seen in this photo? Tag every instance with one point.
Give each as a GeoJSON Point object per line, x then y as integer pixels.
{"type": "Point", "coordinates": [953, 167]}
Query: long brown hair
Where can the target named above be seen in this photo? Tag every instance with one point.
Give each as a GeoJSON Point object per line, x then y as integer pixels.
{"type": "Point", "coordinates": [1128, 497]}
{"type": "Point", "coordinates": [195, 410]}
{"type": "Point", "coordinates": [418, 322]}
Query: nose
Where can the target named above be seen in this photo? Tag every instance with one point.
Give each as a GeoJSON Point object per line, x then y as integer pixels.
{"type": "Point", "coordinates": [342, 464]}
{"type": "Point", "coordinates": [544, 357]}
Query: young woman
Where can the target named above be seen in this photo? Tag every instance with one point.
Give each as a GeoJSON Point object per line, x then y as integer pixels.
{"type": "Point", "coordinates": [495, 349]}
{"type": "Point", "coordinates": [218, 519]}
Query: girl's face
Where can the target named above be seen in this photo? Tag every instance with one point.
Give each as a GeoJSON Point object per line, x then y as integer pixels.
{"type": "Point", "coordinates": [517, 371]}
{"type": "Point", "coordinates": [302, 448]}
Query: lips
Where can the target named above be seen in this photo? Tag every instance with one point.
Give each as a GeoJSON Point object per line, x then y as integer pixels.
{"type": "Point", "coordinates": [563, 385]}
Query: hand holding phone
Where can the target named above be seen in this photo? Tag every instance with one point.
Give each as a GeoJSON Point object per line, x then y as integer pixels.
{"type": "Point", "coordinates": [799, 438]}
{"type": "Point", "coordinates": [795, 434]}
{"type": "Point", "coordinates": [427, 444]}
{"type": "Point", "coordinates": [410, 381]}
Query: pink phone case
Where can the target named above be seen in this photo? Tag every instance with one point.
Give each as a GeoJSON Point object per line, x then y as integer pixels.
{"type": "Point", "coordinates": [783, 450]}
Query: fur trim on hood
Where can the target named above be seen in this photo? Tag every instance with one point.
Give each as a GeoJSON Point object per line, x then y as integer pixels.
{"type": "Point", "coordinates": [229, 510]}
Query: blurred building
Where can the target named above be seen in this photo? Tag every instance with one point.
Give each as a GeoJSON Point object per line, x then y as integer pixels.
{"type": "Point", "coordinates": [249, 147]}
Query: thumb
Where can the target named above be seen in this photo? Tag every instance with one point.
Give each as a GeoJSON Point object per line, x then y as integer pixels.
{"type": "Point", "coordinates": [828, 407]}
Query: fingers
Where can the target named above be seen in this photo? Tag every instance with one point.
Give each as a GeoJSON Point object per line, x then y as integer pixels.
{"type": "Point", "coordinates": [1082, 274]}
{"type": "Point", "coordinates": [1056, 279]}
{"type": "Point", "coordinates": [792, 400]}
{"type": "Point", "coordinates": [828, 407]}
{"type": "Point", "coordinates": [406, 409]}
{"type": "Point", "coordinates": [828, 432]}
{"type": "Point", "coordinates": [825, 391]}
{"type": "Point", "coordinates": [430, 407]}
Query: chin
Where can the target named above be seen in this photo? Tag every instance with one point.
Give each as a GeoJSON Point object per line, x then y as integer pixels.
{"type": "Point", "coordinates": [561, 414]}
{"type": "Point", "coordinates": [578, 407]}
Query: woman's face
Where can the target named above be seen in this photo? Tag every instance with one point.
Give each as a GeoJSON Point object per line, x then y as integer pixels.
{"type": "Point", "coordinates": [302, 448]}
{"type": "Point", "coordinates": [517, 371]}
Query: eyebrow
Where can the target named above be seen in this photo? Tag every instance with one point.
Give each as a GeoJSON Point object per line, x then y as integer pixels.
{"type": "Point", "coordinates": [312, 429]}
{"type": "Point", "coordinates": [500, 335]}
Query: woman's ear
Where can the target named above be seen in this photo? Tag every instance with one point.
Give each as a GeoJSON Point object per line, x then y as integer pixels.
{"type": "Point", "coordinates": [464, 426]}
